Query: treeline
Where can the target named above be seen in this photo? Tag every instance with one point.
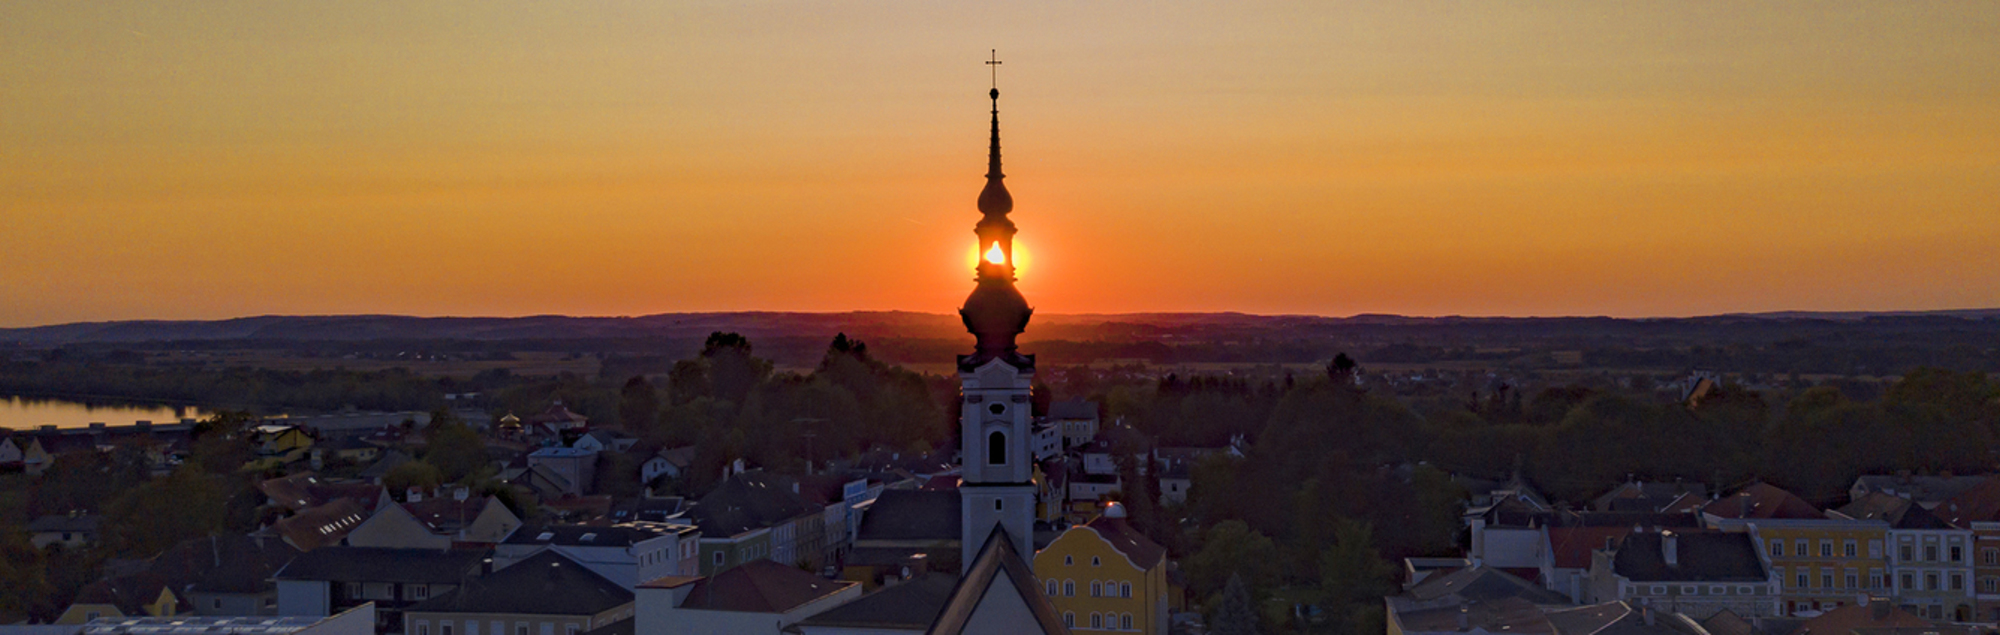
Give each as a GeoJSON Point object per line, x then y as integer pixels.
{"type": "Point", "coordinates": [1332, 467]}
{"type": "Point", "coordinates": [255, 388]}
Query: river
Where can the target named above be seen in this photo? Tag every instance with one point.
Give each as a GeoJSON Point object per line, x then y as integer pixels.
{"type": "Point", "coordinates": [27, 413]}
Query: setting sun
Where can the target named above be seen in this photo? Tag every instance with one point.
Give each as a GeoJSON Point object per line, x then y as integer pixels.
{"type": "Point", "coordinates": [995, 256]}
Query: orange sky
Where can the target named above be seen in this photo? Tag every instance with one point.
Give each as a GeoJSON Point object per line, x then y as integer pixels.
{"type": "Point", "coordinates": [219, 159]}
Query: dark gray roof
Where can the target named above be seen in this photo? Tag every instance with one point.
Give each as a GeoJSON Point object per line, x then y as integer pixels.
{"type": "Point", "coordinates": [912, 604]}
{"type": "Point", "coordinates": [746, 502]}
{"type": "Point", "coordinates": [1619, 618]}
{"type": "Point", "coordinates": [231, 563]}
{"type": "Point", "coordinates": [623, 535]}
{"type": "Point", "coordinates": [1483, 584]}
{"type": "Point", "coordinates": [1899, 512]}
{"type": "Point", "coordinates": [378, 564]}
{"type": "Point", "coordinates": [901, 514]}
{"type": "Point", "coordinates": [625, 626]}
{"type": "Point", "coordinates": [83, 523]}
{"type": "Point", "coordinates": [545, 584]}
{"type": "Point", "coordinates": [1073, 409]}
{"type": "Point", "coordinates": [1703, 556]}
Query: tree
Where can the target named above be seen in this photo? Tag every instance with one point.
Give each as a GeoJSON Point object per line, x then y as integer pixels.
{"type": "Point", "coordinates": [1353, 575]}
{"type": "Point", "coordinates": [453, 448]}
{"type": "Point", "coordinates": [1231, 548]}
{"type": "Point", "coordinates": [638, 406]}
{"type": "Point", "coordinates": [146, 520]}
{"type": "Point", "coordinates": [1236, 614]}
{"type": "Point", "coordinates": [415, 473]}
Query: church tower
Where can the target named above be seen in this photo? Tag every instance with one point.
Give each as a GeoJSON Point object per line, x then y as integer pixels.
{"type": "Point", "coordinates": [997, 489]}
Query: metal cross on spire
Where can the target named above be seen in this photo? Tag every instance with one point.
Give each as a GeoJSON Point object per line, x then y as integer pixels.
{"type": "Point", "coordinates": [994, 64]}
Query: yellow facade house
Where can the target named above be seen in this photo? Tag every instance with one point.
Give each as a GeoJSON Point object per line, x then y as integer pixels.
{"type": "Point", "coordinates": [1106, 577]}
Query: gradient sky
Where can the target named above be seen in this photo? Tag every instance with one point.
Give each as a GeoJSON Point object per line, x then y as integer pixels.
{"type": "Point", "coordinates": [220, 159]}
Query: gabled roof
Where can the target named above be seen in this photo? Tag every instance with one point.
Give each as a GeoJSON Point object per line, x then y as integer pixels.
{"type": "Point", "coordinates": [622, 535]}
{"type": "Point", "coordinates": [390, 460]}
{"type": "Point", "coordinates": [1142, 550]}
{"type": "Point", "coordinates": [86, 523]}
{"type": "Point", "coordinates": [1648, 492]}
{"type": "Point", "coordinates": [1899, 512]}
{"type": "Point", "coordinates": [1727, 622]}
{"type": "Point", "coordinates": [545, 584]}
{"type": "Point", "coordinates": [1762, 501]}
{"type": "Point", "coordinates": [305, 489]}
{"type": "Point", "coordinates": [908, 605]}
{"type": "Point", "coordinates": [1701, 556]}
{"type": "Point", "coordinates": [231, 563]}
{"type": "Point", "coordinates": [445, 514]}
{"type": "Point", "coordinates": [1571, 546]}
{"type": "Point", "coordinates": [1980, 503]}
{"type": "Point", "coordinates": [1619, 618]}
{"type": "Point", "coordinates": [323, 525]}
{"type": "Point", "coordinates": [760, 586]}
{"type": "Point", "coordinates": [1481, 583]}
{"type": "Point", "coordinates": [1073, 409]}
{"type": "Point", "coordinates": [1504, 615]}
{"type": "Point", "coordinates": [747, 502]}
{"type": "Point", "coordinates": [901, 514]}
{"type": "Point", "coordinates": [997, 569]}
{"type": "Point", "coordinates": [1880, 613]}
{"type": "Point", "coordinates": [378, 564]}
{"type": "Point", "coordinates": [130, 593]}
{"type": "Point", "coordinates": [1926, 490]}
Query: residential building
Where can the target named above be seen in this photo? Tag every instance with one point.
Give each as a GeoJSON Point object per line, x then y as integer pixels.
{"type": "Point", "coordinates": [1697, 573]}
{"type": "Point", "coordinates": [1471, 597]}
{"type": "Point", "coordinates": [577, 467]}
{"type": "Point", "coordinates": [328, 580]}
{"type": "Point", "coordinates": [756, 516]}
{"type": "Point", "coordinates": [1076, 419]}
{"type": "Point", "coordinates": [136, 595]}
{"type": "Point", "coordinates": [1926, 491]}
{"type": "Point", "coordinates": [69, 530]}
{"type": "Point", "coordinates": [1822, 562]}
{"type": "Point", "coordinates": [1930, 561]}
{"type": "Point", "coordinates": [904, 608]}
{"type": "Point", "coordinates": [668, 462]}
{"type": "Point", "coordinates": [1106, 576]}
{"type": "Point", "coordinates": [546, 594]}
{"type": "Point", "coordinates": [359, 620]}
{"type": "Point", "coordinates": [279, 444]}
{"type": "Point", "coordinates": [1978, 509]}
{"type": "Point", "coordinates": [626, 553]}
{"type": "Point", "coordinates": [1876, 616]}
{"type": "Point", "coordinates": [758, 597]}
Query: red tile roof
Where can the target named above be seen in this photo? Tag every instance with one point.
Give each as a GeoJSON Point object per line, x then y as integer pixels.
{"type": "Point", "coordinates": [1762, 501]}
{"type": "Point", "coordinates": [1979, 504]}
{"type": "Point", "coordinates": [1571, 546]}
{"type": "Point", "coordinates": [761, 586]}
{"type": "Point", "coordinates": [1142, 550]}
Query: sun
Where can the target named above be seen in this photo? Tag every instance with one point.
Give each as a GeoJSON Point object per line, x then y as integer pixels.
{"type": "Point", "coordinates": [1023, 258]}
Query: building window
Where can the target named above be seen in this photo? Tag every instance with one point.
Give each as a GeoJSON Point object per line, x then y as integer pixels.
{"type": "Point", "coordinates": [1069, 588]}
{"type": "Point", "coordinates": [1805, 580]}
{"type": "Point", "coordinates": [1743, 590]}
{"type": "Point", "coordinates": [1957, 582]}
{"type": "Point", "coordinates": [569, 629]}
{"type": "Point", "coordinates": [1930, 553]}
{"type": "Point", "coordinates": [1069, 619]}
{"type": "Point", "coordinates": [520, 628]}
{"type": "Point", "coordinates": [1930, 582]}
{"type": "Point", "coordinates": [1097, 620]}
{"type": "Point", "coordinates": [1095, 562]}
{"type": "Point", "coordinates": [1052, 588]}
{"type": "Point", "coordinates": [1799, 548]}
{"type": "Point", "coordinates": [1848, 549]}
{"type": "Point", "coordinates": [1853, 579]}
{"type": "Point", "coordinates": [1990, 556]}
{"type": "Point", "coordinates": [215, 604]}
{"type": "Point", "coordinates": [1125, 621]}
{"type": "Point", "coordinates": [1688, 590]}
{"type": "Point", "coordinates": [1826, 579]}
{"type": "Point", "coordinates": [1777, 548]}
{"type": "Point", "coordinates": [444, 628]}
{"type": "Point", "coordinates": [1905, 554]}
{"type": "Point", "coordinates": [998, 505]}
{"type": "Point", "coordinates": [421, 591]}
{"type": "Point", "coordinates": [718, 558]}
{"type": "Point", "coordinates": [1989, 585]}
{"type": "Point", "coordinates": [1125, 590]}
{"type": "Point", "coordinates": [423, 628]}
{"type": "Point", "coordinates": [1825, 548]}
{"type": "Point", "coordinates": [996, 448]}
{"type": "Point", "coordinates": [353, 590]}
{"type": "Point", "coordinates": [1096, 589]}
{"type": "Point", "coordinates": [1067, 561]}
{"type": "Point", "coordinates": [1909, 583]}
{"type": "Point", "coordinates": [1957, 553]}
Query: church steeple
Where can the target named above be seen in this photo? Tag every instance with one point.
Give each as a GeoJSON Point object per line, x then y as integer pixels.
{"type": "Point", "coordinates": [995, 312]}
{"type": "Point", "coordinates": [996, 486]}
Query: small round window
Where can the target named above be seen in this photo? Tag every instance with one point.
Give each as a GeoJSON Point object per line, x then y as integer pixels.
{"type": "Point", "coordinates": [997, 408]}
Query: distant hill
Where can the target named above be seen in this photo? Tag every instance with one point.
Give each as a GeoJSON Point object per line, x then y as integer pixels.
{"type": "Point", "coordinates": [874, 324]}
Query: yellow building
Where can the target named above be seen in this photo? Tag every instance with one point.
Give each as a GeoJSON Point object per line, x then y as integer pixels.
{"type": "Point", "coordinates": [142, 594]}
{"type": "Point", "coordinates": [1105, 576]}
{"type": "Point", "coordinates": [1821, 562]}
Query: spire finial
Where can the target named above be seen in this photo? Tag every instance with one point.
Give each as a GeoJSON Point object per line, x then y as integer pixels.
{"type": "Point", "coordinates": [993, 63]}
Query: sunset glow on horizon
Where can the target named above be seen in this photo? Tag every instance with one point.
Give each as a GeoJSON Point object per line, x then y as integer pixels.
{"type": "Point", "coordinates": [227, 159]}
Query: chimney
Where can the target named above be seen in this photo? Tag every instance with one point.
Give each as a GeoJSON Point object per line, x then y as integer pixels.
{"type": "Point", "coordinates": [1670, 548]}
{"type": "Point", "coordinates": [414, 495]}
{"type": "Point", "coordinates": [1464, 620]}
{"type": "Point", "coordinates": [1646, 613]}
